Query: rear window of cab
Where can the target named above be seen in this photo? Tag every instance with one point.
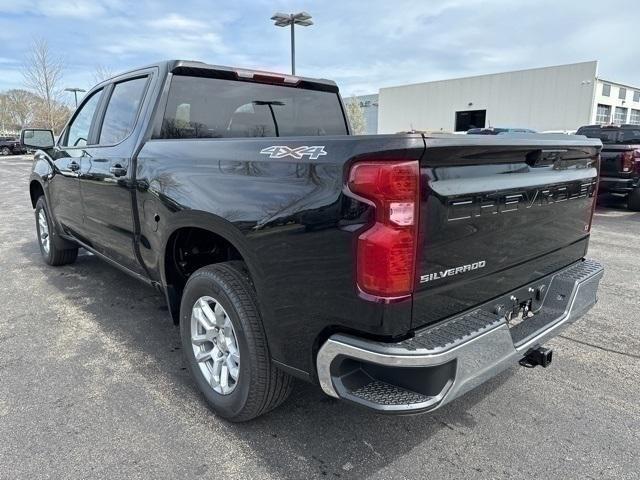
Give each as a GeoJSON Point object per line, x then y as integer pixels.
{"type": "Point", "coordinates": [199, 107]}
{"type": "Point", "coordinates": [612, 136]}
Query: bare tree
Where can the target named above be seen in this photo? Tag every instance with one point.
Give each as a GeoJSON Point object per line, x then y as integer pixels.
{"type": "Point", "coordinates": [356, 116]}
{"type": "Point", "coordinates": [5, 113]}
{"type": "Point", "coordinates": [21, 105]}
{"type": "Point", "coordinates": [43, 76]}
{"type": "Point", "coordinates": [102, 73]}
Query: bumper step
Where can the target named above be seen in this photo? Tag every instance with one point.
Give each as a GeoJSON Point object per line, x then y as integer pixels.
{"type": "Point", "coordinates": [381, 393]}
{"type": "Point", "coordinates": [453, 332]}
{"type": "Point", "coordinates": [443, 361]}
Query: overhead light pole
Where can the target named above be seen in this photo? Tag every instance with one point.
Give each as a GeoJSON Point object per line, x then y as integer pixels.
{"type": "Point", "coordinates": [75, 91]}
{"type": "Point", "coordinates": [292, 19]}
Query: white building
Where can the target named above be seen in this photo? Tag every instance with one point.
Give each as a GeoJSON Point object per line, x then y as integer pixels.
{"type": "Point", "coordinates": [552, 98]}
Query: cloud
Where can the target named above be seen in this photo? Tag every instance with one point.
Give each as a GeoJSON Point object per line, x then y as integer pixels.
{"type": "Point", "coordinates": [60, 8]}
{"type": "Point", "coordinates": [363, 45]}
{"type": "Point", "coordinates": [175, 21]}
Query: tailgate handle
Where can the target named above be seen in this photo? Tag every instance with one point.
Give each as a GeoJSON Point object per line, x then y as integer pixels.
{"type": "Point", "coordinates": [544, 158]}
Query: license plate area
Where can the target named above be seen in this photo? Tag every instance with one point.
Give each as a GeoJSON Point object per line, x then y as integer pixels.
{"type": "Point", "coordinates": [533, 308]}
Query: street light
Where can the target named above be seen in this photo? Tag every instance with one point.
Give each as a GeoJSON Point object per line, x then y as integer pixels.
{"type": "Point", "coordinates": [284, 20]}
{"type": "Point", "coordinates": [75, 91]}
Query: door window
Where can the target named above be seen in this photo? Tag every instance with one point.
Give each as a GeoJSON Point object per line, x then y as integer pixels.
{"type": "Point", "coordinates": [621, 115]}
{"type": "Point", "coordinates": [78, 135]}
{"type": "Point", "coordinates": [603, 114]}
{"type": "Point", "coordinates": [122, 111]}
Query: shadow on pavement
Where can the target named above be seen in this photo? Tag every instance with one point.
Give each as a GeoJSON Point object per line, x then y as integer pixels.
{"type": "Point", "coordinates": [309, 435]}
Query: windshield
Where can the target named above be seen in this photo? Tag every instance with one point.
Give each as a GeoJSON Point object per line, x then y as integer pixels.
{"type": "Point", "coordinates": [613, 136]}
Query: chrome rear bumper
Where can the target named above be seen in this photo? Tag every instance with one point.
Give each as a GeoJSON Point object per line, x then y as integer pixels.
{"type": "Point", "coordinates": [444, 361]}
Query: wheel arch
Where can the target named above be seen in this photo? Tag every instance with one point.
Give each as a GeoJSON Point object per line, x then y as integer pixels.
{"type": "Point", "coordinates": [230, 243]}
{"type": "Point", "coordinates": [36, 190]}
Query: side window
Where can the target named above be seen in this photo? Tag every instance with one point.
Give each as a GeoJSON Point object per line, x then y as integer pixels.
{"type": "Point", "coordinates": [79, 128]}
{"type": "Point", "coordinates": [122, 110]}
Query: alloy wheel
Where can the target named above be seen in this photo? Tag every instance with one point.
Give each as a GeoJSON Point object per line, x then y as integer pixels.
{"type": "Point", "coordinates": [43, 230]}
{"type": "Point", "coordinates": [215, 345]}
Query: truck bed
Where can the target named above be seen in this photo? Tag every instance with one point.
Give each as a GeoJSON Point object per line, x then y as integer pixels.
{"type": "Point", "coordinates": [483, 199]}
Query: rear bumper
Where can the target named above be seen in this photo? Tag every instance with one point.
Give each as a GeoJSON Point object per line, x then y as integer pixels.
{"type": "Point", "coordinates": [442, 362]}
{"type": "Point", "coordinates": [616, 185]}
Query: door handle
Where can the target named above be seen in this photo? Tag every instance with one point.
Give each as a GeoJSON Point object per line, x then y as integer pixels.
{"type": "Point", "coordinates": [118, 170]}
{"type": "Point", "coordinates": [74, 166]}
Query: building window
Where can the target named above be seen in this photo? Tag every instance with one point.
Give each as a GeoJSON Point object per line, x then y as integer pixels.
{"type": "Point", "coordinates": [621, 115]}
{"type": "Point", "coordinates": [636, 96]}
{"type": "Point", "coordinates": [468, 119]}
{"type": "Point", "coordinates": [606, 90]}
{"type": "Point", "coordinates": [603, 114]}
{"type": "Point", "coordinates": [635, 117]}
{"type": "Point", "coordinates": [622, 95]}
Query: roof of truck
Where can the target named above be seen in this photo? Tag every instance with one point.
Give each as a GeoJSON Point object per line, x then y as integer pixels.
{"type": "Point", "coordinates": [207, 69]}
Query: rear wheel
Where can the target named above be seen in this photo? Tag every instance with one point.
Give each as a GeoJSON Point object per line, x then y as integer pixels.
{"type": "Point", "coordinates": [45, 228]}
{"type": "Point", "coordinates": [633, 202]}
{"type": "Point", "coordinates": [5, 151]}
{"type": "Point", "coordinates": [225, 345]}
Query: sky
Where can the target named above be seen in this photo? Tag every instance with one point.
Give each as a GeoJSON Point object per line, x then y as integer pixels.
{"type": "Point", "coordinates": [361, 44]}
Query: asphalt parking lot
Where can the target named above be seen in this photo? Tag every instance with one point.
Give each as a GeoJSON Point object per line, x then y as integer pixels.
{"type": "Point", "coordinates": [93, 385]}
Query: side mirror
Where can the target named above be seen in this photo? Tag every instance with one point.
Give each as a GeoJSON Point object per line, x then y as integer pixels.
{"type": "Point", "coordinates": [37, 138]}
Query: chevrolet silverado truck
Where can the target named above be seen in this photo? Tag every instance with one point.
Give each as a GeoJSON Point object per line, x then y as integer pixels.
{"type": "Point", "coordinates": [395, 271]}
{"type": "Point", "coordinates": [620, 160]}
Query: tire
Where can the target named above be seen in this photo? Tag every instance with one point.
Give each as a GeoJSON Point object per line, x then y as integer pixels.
{"type": "Point", "coordinates": [259, 385]}
{"type": "Point", "coordinates": [633, 201]}
{"type": "Point", "coordinates": [5, 151]}
{"type": "Point", "coordinates": [48, 241]}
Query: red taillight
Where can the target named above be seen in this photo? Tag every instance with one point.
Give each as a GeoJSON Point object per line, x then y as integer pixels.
{"type": "Point", "coordinates": [627, 162]}
{"type": "Point", "coordinates": [386, 252]}
{"type": "Point", "coordinates": [636, 161]}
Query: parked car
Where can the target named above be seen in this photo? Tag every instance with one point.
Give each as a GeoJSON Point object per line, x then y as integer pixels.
{"type": "Point", "coordinates": [10, 146]}
{"type": "Point", "coordinates": [497, 131]}
{"type": "Point", "coordinates": [620, 167]}
{"type": "Point", "coordinates": [564, 132]}
{"type": "Point", "coordinates": [395, 271]}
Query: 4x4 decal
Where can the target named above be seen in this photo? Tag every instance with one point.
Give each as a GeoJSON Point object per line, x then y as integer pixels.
{"type": "Point", "coordinates": [281, 151]}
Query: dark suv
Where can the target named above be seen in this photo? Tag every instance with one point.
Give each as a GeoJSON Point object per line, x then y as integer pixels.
{"type": "Point", "coordinates": [620, 163]}
{"type": "Point", "coordinates": [10, 146]}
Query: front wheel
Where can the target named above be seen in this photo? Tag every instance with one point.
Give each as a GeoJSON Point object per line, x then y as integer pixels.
{"type": "Point", "coordinates": [633, 202]}
{"type": "Point", "coordinates": [225, 345]}
{"type": "Point", "coordinates": [45, 229]}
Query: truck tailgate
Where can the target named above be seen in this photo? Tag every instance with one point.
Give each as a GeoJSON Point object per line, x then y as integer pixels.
{"type": "Point", "coordinates": [497, 213]}
{"type": "Point", "coordinates": [611, 162]}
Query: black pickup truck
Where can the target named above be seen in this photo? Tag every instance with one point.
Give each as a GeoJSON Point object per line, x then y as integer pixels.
{"type": "Point", "coordinates": [10, 146]}
{"type": "Point", "coordinates": [396, 271]}
{"type": "Point", "coordinates": [620, 163]}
